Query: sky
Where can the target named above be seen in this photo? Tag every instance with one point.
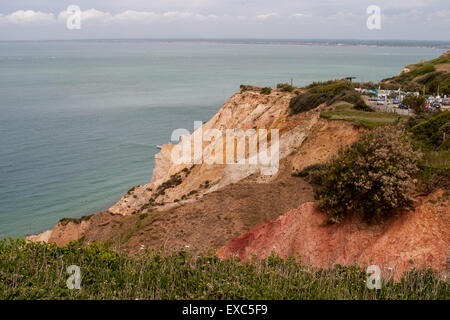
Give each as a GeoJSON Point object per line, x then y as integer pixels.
{"type": "Point", "coordinates": [261, 19]}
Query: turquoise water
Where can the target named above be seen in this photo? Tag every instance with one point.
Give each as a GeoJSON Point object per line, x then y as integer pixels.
{"type": "Point", "coordinates": [79, 121]}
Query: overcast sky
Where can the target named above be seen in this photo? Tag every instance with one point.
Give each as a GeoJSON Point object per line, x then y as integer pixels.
{"type": "Point", "coordinates": [294, 19]}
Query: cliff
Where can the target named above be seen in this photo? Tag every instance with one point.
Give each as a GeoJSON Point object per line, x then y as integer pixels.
{"type": "Point", "coordinates": [241, 208]}
{"type": "Point", "coordinates": [202, 205]}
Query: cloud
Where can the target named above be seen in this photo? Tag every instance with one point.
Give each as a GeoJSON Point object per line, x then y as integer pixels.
{"type": "Point", "coordinates": [93, 16]}
{"type": "Point", "coordinates": [298, 15]}
{"type": "Point", "coordinates": [263, 17]}
{"type": "Point", "coordinates": [214, 21]}
{"type": "Point", "coordinates": [27, 17]}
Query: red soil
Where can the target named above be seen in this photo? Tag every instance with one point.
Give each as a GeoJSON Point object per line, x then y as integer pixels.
{"type": "Point", "coordinates": [419, 238]}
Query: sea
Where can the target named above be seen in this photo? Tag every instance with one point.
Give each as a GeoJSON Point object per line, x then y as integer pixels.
{"type": "Point", "coordinates": [80, 121]}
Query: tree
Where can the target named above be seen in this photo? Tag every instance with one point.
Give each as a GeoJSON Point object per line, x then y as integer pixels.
{"type": "Point", "coordinates": [416, 103]}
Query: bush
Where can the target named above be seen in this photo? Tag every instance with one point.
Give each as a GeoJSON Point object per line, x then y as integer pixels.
{"type": "Point", "coordinates": [266, 90]}
{"type": "Point", "coordinates": [333, 88]}
{"type": "Point", "coordinates": [361, 105]}
{"type": "Point", "coordinates": [372, 177]}
{"type": "Point", "coordinates": [416, 103]}
{"type": "Point", "coordinates": [329, 94]}
{"type": "Point", "coordinates": [307, 101]}
{"type": "Point", "coordinates": [305, 172]}
{"type": "Point", "coordinates": [432, 179]}
{"type": "Point", "coordinates": [443, 136]}
{"type": "Point", "coordinates": [429, 131]}
{"type": "Point", "coordinates": [285, 87]}
{"type": "Point", "coordinates": [348, 95]}
{"type": "Point", "coordinates": [245, 87]}
{"type": "Point", "coordinates": [418, 118]}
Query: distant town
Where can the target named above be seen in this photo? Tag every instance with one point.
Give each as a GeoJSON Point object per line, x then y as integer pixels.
{"type": "Point", "coordinates": [393, 99]}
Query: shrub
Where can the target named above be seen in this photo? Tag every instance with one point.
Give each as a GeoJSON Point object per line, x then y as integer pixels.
{"type": "Point", "coordinates": [305, 172]}
{"type": "Point", "coordinates": [266, 90]}
{"type": "Point", "coordinates": [443, 136]}
{"type": "Point", "coordinates": [418, 118]}
{"type": "Point", "coordinates": [65, 221]}
{"type": "Point", "coordinates": [143, 216]}
{"type": "Point", "coordinates": [328, 94]}
{"type": "Point", "coordinates": [285, 87]}
{"type": "Point", "coordinates": [333, 88]}
{"type": "Point", "coordinates": [307, 101]}
{"type": "Point", "coordinates": [416, 103]}
{"type": "Point", "coordinates": [429, 131]}
{"type": "Point", "coordinates": [372, 177]}
{"type": "Point", "coordinates": [432, 179]}
{"type": "Point", "coordinates": [361, 105]}
{"type": "Point", "coordinates": [245, 87]}
{"type": "Point", "coordinates": [349, 95]}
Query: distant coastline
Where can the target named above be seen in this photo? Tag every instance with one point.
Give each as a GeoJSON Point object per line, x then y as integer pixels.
{"type": "Point", "coordinates": [319, 42]}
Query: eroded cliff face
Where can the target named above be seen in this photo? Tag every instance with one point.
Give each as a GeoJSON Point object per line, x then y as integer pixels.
{"type": "Point", "coordinates": [248, 110]}
{"type": "Point", "coordinates": [202, 206]}
{"type": "Point", "coordinates": [416, 239]}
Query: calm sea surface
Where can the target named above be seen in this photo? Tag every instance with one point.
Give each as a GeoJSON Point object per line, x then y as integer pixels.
{"type": "Point", "coordinates": [79, 121]}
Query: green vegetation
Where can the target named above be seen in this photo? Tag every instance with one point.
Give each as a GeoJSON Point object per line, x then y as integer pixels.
{"type": "Point", "coordinates": [245, 87]}
{"type": "Point", "coordinates": [432, 177]}
{"type": "Point", "coordinates": [38, 271]}
{"type": "Point", "coordinates": [305, 172]}
{"type": "Point", "coordinates": [65, 221]}
{"type": "Point", "coordinates": [419, 70]}
{"type": "Point", "coordinates": [174, 180]}
{"type": "Point", "coordinates": [431, 131]}
{"type": "Point", "coordinates": [285, 87]}
{"type": "Point", "coordinates": [368, 119]}
{"type": "Point", "coordinates": [437, 159]}
{"type": "Point", "coordinates": [266, 90]}
{"type": "Point", "coordinates": [373, 177]}
{"type": "Point", "coordinates": [424, 74]}
{"type": "Point", "coordinates": [362, 106]}
{"type": "Point", "coordinates": [416, 103]}
{"type": "Point", "coordinates": [328, 92]}
{"type": "Point", "coordinates": [441, 60]}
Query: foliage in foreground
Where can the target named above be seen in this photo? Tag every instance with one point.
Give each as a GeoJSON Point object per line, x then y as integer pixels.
{"type": "Point", "coordinates": [373, 177]}
{"type": "Point", "coordinates": [38, 271]}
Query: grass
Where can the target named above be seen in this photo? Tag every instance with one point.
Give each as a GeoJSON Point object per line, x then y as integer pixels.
{"type": "Point", "coordinates": [139, 224]}
{"type": "Point", "coordinates": [38, 271]}
{"type": "Point", "coordinates": [437, 159]}
{"type": "Point", "coordinates": [368, 119]}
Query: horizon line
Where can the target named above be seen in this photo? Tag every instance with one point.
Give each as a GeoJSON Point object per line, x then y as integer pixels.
{"type": "Point", "coordinates": [334, 41]}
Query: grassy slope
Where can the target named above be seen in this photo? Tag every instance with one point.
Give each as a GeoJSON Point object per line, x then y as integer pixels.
{"type": "Point", "coordinates": [427, 138]}
{"type": "Point", "coordinates": [38, 271]}
{"type": "Point", "coordinates": [369, 119]}
{"type": "Point", "coordinates": [431, 74]}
